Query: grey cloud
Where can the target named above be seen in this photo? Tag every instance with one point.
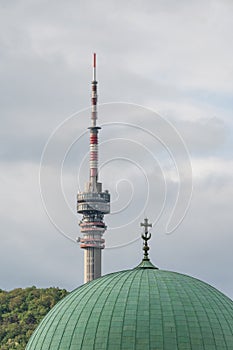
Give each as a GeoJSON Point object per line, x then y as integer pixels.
{"type": "Point", "coordinates": [151, 53]}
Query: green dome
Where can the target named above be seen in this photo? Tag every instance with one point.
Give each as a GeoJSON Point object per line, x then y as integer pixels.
{"type": "Point", "coordinates": [144, 308]}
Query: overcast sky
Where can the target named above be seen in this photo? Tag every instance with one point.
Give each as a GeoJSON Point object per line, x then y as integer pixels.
{"type": "Point", "coordinates": [165, 72]}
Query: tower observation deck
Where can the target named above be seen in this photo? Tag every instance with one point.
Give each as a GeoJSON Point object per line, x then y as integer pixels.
{"type": "Point", "coordinates": [93, 203]}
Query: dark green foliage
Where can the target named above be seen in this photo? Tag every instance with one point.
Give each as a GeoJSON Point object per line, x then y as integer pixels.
{"type": "Point", "coordinates": [21, 310]}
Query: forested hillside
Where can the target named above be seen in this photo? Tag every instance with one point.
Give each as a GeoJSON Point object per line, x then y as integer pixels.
{"type": "Point", "coordinates": [20, 312]}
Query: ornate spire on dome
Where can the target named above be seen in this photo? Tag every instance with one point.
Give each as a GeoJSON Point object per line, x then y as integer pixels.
{"type": "Point", "coordinates": [146, 236]}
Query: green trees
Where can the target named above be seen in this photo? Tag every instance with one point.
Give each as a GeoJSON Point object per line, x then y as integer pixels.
{"type": "Point", "coordinates": [21, 310]}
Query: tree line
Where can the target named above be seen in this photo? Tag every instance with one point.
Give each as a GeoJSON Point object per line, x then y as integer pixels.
{"type": "Point", "coordinates": [21, 310]}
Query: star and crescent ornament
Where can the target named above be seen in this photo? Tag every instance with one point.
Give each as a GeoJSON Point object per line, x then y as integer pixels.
{"type": "Point", "coordinates": [146, 237]}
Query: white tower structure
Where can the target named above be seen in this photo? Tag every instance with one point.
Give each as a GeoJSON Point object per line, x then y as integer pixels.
{"type": "Point", "coordinates": [93, 203]}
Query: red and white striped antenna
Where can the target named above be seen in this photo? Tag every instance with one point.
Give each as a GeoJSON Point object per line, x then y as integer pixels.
{"type": "Point", "coordinates": [94, 94]}
{"type": "Point", "coordinates": [93, 203]}
{"type": "Point", "coordinates": [94, 66]}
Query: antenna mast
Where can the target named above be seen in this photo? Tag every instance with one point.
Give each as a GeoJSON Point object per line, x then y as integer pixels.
{"type": "Point", "coordinates": [93, 204]}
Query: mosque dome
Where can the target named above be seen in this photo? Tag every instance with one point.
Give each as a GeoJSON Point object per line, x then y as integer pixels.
{"type": "Point", "coordinates": [142, 308]}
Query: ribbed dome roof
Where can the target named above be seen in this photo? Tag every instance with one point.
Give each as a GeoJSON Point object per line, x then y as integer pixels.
{"type": "Point", "coordinates": [143, 308]}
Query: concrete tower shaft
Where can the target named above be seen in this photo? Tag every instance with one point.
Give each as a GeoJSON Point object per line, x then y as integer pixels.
{"type": "Point", "coordinates": [93, 204]}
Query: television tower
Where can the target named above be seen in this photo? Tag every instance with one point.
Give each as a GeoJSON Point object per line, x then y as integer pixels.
{"type": "Point", "coordinates": [93, 203]}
